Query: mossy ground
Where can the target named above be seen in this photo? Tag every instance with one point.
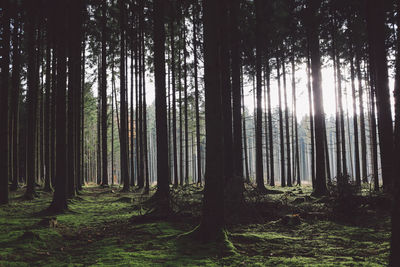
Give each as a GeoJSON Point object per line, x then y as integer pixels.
{"type": "Point", "coordinates": [98, 231]}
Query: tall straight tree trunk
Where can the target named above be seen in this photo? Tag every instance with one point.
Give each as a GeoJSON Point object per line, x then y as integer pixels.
{"type": "Point", "coordinates": [70, 113]}
{"type": "Point", "coordinates": [376, 38]}
{"type": "Point", "coordinates": [180, 102]}
{"type": "Point", "coordinates": [337, 113]}
{"type": "Point", "coordinates": [123, 133]}
{"type": "Point", "coordinates": [319, 117]}
{"type": "Point", "coordinates": [47, 183]}
{"type": "Point", "coordinates": [78, 48]}
{"type": "Point", "coordinates": [373, 136]}
{"type": "Point", "coordinates": [289, 167]}
{"type": "Point", "coordinates": [175, 157]}
{"type": "Point", "coordinates": [104, 176]}
{"type": "Point", "coordinates": [185, 85]}
{"type": "Point", "coordinates": [259, 155]}
{"type": "Point", "coordinates": [161, 107]}
{"type": "Point", "coordinates": [4, 97]}
{"type": "Point", "coordinates": [311, 117]}
{"type": "Point", "coordinates": [271, 133]}
{"type": "Point", "coordinates": [145, 154]}
{"type": "Point", "coordinates": [266, 82]}
{"type": "Point", "coordinates": [394, 258]}
{"type": "Point", "coordinates": [246, 157]}
{"type": "Point", "coordinates": [294, 95]}
{"type": "Point", "coordinates": [15, 99]}
{"type": "Point", "coordinates": [281, 135]}
{"type": "Point", "coordinates": [212, 225]}
{"type": "Point", "coordinates": [59, 202]}
{"type": "Point", "coordinates": [362, 119]}
{"type": "Point", "coordinates": [355, 119]}
{"type": "Point", "coordinates": [32, 100]}
{"type": "Point", "coordinates": [98, 145]}
{"type": "Point", "coordinates": [196, 93]}
{"type": "Point", "coordinates": [343, 178]}
{"type": "Point", "coordinates": [227, 102]}
{"type": "Point", "coordinates": [53, 111]}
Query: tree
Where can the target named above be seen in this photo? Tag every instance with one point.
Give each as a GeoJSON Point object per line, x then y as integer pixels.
{"type": "Point", "coordinates": [196, 91]}
{"type": "Point", "coordinates": [15, 97]}
{"type": "Point", "coordinates": [32, 100]}
{"type": "Point", "coordinates": [378, 59]}
{"type": "Point", "coordinates": [212, 222]}
{"type": "Point", "coordinates": [394, 259]}
{"type": "Point", "coordinates": [259, 156]}
{"type": "Point", "coordinates": [161, 106]}
{"type": "Point", "coordinates": [104, 175]}
{"type": "Point", "coordinates": [59, 202]}
{"type": "Point", "coordinates": [236, 96]}
{"type": "Point", "coordinates": [4, 103]}
{"type": "Point", "coordinates": [319, 117]}
{"type": "Point", "coordinates": [124, 139]}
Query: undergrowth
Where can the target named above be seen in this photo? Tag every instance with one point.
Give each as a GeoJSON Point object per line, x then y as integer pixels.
{"type": "Point", "coordinates": [286, 228]}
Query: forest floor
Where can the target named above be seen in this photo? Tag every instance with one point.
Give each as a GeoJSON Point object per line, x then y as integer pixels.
{"type": "Point", "coordinates": [289, 228]}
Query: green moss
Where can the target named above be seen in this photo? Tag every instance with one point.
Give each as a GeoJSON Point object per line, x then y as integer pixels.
{"type": "Point", "coordinates": [98, 231]}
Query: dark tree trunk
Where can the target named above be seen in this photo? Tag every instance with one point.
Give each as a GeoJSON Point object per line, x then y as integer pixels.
{"type": "Point", "coordinates": [246, 158]}
{"type": "Point", "coordinates": [15, 99]}
{"type": "Point", "coordinates": [271, 133]}
{"type": "Point", "coordinates": [196, 92]}
{"type": "Point", "coordinates": [212, 223]}
{"type": "Point", "coordinates": [311, 117]}
{"type": "Point", "coordinates": [59, 202]}
{"type": "Point", "coordinates": [355, 119]}
{"type": "Point", "coordinates": [123, 133]}
{"type": "Point", "coordinates": [281, 135]}
{"type": "Point", "coordinates": [364, 174]}
{"type": "Point", "coordinates": [47, 183]}
{"type": "Point", "coordinates": [180, 99]}
{"type": "Point", "coordinates": [104, 175]}
{"type": "Point", "coordinates": [4, 171]}
{"type": "Point", "coordinates": [32, 100]}
{"type": "Point", "coordinates": [175, 158]}
{"type": "Point", "coordinates": [70, 116]}
{"type": "Point", "coordinates": [161, 106]}
{"type": "Point", "coordinates": [319, 117]}
{"type": "Point", "coordinates": [289, 167]}
{"type": "Point", "coordinates": [53, 159]}
{"type": "Point", "coordinates": [376, 38]}
{"type": "Point", "coordinates": [259, 155]}
{"type": "Point", "coordinates": [343, 177]}
{"type": "Point", "coordinates": [337, 114]}
{"type": "Point", "coordinates": [294, 95]}
{"type": "Point", "coordinates": [185, 85]}
{"type": "Point", "coordinates": [394, 259]}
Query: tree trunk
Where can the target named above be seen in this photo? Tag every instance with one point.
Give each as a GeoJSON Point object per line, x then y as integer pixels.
{"type": "Point", "coordinates": [311, 117]}
{"type": "Point", "coordinates": [175, 160]}
{"type": "Point", "coordinates": [104, 176]}
{"type": "Point", "coordinates": [376, 38]}
{"type": "Point", "coordinates": [319, 117]}
{"type": "Point", "coordinates": [32, 100]}
{"type": "Point", "coordinates": [281, 134]}
{"type": "Point", "coordinates": [355, 119]}
{"type": "Point", "coordinates": [289, 168]}
{"type": "Point", "coordinates": [211, 226]}
{"type": "Point", "coordinates": [4, 96]}
{"type": "Point", "coordinates": [123, 133]}
{"type": "Point", "coordinates": [15, 99]}
{"type": "Point", "coordinates": [196, 92]}
{"type": "Point", "coordinates": [259, 155]}
{"type": "Point", "coordinates": [161, 105]}
{"type": "Point", "coordinates": [59, 202]}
